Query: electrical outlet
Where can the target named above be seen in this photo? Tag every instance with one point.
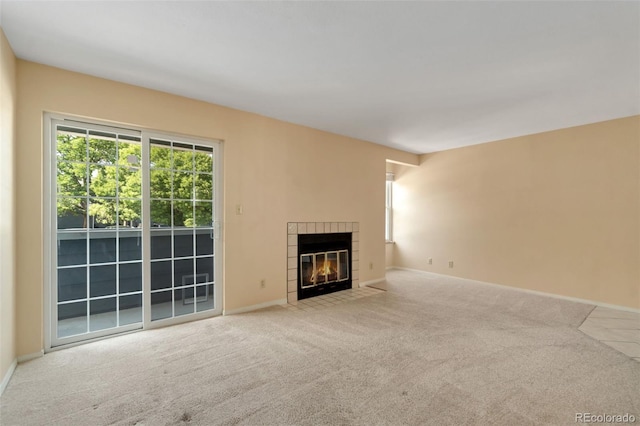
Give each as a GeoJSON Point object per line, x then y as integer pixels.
{"type": "Point", "coordinates": [430, 261]}
{"type": "Point", "coordinates": [451, 264]}
{"type": "Point", "coordinates": [263, 283]}
{"type": "Point", "coordinates": [370, 265]}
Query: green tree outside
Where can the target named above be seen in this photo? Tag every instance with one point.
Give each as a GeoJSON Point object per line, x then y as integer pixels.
{"type": "Point", "coordinates": [114, 169]}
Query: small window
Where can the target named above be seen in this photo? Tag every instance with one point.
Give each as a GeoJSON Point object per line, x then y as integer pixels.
{"type": "Point", "coordinates": [388, 220]}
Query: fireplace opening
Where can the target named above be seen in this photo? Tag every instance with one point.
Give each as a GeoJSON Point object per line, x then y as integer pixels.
{"type": "Point", "coordinates": [324, 263]}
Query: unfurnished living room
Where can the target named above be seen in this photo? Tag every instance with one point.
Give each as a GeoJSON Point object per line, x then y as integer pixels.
{"type": "Point", "coordinates": [319, 213]}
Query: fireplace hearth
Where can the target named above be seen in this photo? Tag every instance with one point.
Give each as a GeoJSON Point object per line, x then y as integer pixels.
{"type": "Point", "coordinates": [322, 257]}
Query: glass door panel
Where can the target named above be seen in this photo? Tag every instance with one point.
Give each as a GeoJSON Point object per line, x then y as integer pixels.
{"type": "Point", "coordinates": [98, 247]}
{"type": "Point", "coordinates": [182, 232]}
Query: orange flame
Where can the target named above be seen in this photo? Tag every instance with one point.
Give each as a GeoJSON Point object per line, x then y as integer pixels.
{"type": "Point", "coordinates": [323, 270]}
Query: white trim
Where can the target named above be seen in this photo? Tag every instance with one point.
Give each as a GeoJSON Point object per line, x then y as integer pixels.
{"type": "Point", "coordinates": [371, 282]}
{"type": "Point", "coordinates": [91, 340]}
{"type": "Point", "coordinates": [29, 357]}
{"type": "Point", "coordinates": [145, 148]}
{"type": "Point", "coordinates": [79, 338]}
{"type": "Point", "coordinates": [48, 182]}
{"type": "Point", "coordinates": [7, 377]}
{"type": "Point", "coordinates": [525, 290]}
{"type": "Point", "coordinates": [182, 319]}
{"type": "Point", "coordinates": [255, 307]}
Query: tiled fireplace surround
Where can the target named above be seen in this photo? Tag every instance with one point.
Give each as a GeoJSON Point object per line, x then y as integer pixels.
{"type": "Point", "coordinates": [295, 228]}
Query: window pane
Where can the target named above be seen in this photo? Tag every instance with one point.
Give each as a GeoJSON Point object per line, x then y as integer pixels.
{"type": "Point", "coordinates": [183, 185]}
{"type": "Point", "coordinates": [71, 146]}
{"type": "Point", "coordinates": [182, 160]}
{"type": "Point", "coordinates": [183, 242]}
{"type": "Point", "coordinates": [204, 186]}
{"type": "Point", "coordinates": [72, 284]}
{"type": "Point", "coordinates": [160, 155]}
{"type": "Point", "coordinates": [204, 298]}
{"type": "Point", "coordinates": [183, 272]}
{"type": "Point", "coordinates": [183, 213]}
{"type": "Point", "coordinates": [72, 319]}
{"type": "Point", "coordinates": [129, 154]}
{"type": "Point", "coordinates": [102, 280]}
{"type": "Point", "coordinates": [129, 213]}
{"type": "Point", "coordinates": [160, 244]}
{"type": "Point", "coordinates": [102, 181]}
{"type": "Point", "coordinates": [204, 162]}
{"type": "Point", "coordinates": [129, 182]}
{"type": "Point", "coordinates": [130, 244]}
{"type": "Point", "coordinates": [160, 213]}
{"type": "Point", "coordinates": [160, 184]}
{"type": "Point", "coordinates": [130, 277]}
{"type": "Point", "coordinates": [130, 309]}
{"type": "Point", "coordinates": [103, 314]}
{"type": "Point", "coordinates": [102, 149]}
{"type": "Point", "coordinates": [204, 241]}
{"type": "Point", "coordinates": [160, 275]}
{"type": "Point", "coordinates": [72, 179]}
{"type": "Point", "coordinates": [72, 248]}
{"type": "Point", "coordinates": [103, 213]}
{"type": "Point", "coordinates": [161, 304]}
{"type": "Point", "coordinates": [183, 303]}
{"type": "Point", "coordinates": [72, 213]}
{"type": "Point", "coordinates": [204, 265]}
{"type": "Point", "coordinates": [204, 213]}
{"type": "Point", "coordinates": [102, 245]}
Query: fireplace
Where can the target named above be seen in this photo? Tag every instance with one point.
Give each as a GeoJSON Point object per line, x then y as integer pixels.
{"type": "Point", "coordinates": [318, 266]}
{"type": "Point", "coordinates": [324, 263]}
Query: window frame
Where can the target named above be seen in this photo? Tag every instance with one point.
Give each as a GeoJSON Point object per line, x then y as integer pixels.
{"type": "Point", "coordinates": [388, 229]}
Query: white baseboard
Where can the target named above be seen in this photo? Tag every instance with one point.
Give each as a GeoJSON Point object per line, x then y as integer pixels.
{"type": "Point", "coordinates": [29, 357]}
{"type": "Point", "coordinates": [370, 282]}
{"type": "Point", "coordinates": [7, 376]}
{"type": "Point", "coordinates": [525, 290]}
{"type": "Point", "coordinates": [254, 307]}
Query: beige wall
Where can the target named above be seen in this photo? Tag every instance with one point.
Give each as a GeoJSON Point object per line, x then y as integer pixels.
{"type": "Point", "coordinates": [274, 169]}
{"type": "Point", "coordinates": [556, 212]}
{"type": "Point", "coordinates": [7, 196]}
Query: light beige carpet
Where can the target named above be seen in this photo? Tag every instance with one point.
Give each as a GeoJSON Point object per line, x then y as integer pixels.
{"type": "Point", "coordinates": [430, 350]}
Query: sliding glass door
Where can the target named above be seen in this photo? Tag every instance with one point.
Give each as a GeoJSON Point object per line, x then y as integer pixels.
{"type": "Point", "coordinates": [132, 230]}
{"type": "Point", "coordinates": [182, 228]}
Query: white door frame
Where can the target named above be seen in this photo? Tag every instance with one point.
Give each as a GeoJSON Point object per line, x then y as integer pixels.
{"type": "Point", "coordinates": [50, 239]}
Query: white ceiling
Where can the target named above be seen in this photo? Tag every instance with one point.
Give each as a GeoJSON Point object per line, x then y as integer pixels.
{"type": "Point", "coordinates": [420, 76]}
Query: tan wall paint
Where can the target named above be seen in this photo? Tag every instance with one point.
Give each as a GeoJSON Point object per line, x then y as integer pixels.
{"type": "Point", "coordinates": [556, 212]}
{"type": "Point", "coordinates": [274, 169]}
{"type": "Point", "coordinates": [7, 197]}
